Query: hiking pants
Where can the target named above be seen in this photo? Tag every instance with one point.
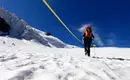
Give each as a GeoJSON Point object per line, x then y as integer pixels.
{"type": "Point", "coordinates": [87, 45]}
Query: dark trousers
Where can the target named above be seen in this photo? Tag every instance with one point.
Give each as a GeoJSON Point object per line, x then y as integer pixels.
{"type": "Point", "coordinates": [87, 45]}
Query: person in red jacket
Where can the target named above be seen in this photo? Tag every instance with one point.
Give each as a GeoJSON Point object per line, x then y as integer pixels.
{"type": "Point", "coordinates": [87, 39]}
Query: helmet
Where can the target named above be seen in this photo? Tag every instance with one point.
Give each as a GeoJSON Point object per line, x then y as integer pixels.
{"type": "Point", "coordinates": [88, 27]}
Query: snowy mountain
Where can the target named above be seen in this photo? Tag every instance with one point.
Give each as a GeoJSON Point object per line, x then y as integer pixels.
{"type": "Point", "coordinates": [28, 55]}
{"type": "Point", "coordinates": [21, 30]}
{"type": "Point", "coordinates": [25, 60]}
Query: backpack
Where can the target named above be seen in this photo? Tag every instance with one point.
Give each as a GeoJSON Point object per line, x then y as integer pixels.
{"type": "Point", "coordinates": [88, 32]}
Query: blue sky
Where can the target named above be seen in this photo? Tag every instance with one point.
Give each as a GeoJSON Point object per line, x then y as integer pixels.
{"type": "Point", "coordinates": [110, 19]}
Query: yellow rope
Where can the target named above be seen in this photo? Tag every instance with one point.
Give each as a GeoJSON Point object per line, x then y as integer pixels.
{"type": "Point", "coordinates": [60, 20]}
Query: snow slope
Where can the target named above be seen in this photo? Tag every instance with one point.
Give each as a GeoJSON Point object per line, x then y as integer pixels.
{"type": "Point", "coordinates": [25, 60]}
{"type": "Point", "coordinates": [21, 30]}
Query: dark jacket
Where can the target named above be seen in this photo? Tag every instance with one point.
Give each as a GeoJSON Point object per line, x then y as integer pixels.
{"type": "Point", "coordinates": [85, 36]}
{"type": "Point", "coordinates": [87, 39]}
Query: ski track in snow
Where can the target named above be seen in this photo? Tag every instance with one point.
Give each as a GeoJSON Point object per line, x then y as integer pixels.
{"type": "Point", "coordinates": [24, 60]}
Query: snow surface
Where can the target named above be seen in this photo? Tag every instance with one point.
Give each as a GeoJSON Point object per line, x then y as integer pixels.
{"type": "Point", "coordinates": [32, 55]}
{"type": "Point", "coordinates": [21, 30]}
{"type": "Point", "coordinates": [27, 60]}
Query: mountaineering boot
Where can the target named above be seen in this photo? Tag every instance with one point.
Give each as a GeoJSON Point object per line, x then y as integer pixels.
{"type": "Point", "coordinates": [86, 52]}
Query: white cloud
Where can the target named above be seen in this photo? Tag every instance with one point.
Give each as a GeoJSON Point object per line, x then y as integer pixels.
{"type": "Point", "coordinates": [111, 39]}
{"type": "Point", "coordinates": [97, 39]}
{"type": "Point", "coordinates": [83, 28]}
{"type": "Point", "coordinates": [110, 42]}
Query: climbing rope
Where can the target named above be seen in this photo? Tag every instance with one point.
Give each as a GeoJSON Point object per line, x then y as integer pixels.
{"type": "Point", "coordinates": [49, 7]}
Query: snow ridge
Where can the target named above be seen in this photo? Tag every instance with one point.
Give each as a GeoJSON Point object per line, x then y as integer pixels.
{"type": "Point", "coordinates": [21, 30]}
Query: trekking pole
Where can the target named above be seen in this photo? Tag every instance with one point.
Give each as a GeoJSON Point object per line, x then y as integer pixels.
{"type": "Point", "coordinates": [94, 50]}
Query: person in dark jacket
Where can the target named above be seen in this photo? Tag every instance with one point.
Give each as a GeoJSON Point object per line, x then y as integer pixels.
{"type": "Point", "coordinates": [87, 40]}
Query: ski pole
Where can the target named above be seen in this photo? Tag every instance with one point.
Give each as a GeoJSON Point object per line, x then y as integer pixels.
{"type": "Point", "coordinates": [94, 50]}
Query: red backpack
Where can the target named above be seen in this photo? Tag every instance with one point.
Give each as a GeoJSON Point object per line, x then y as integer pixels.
{"type": "Point", "coordinates": [88, 32]}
